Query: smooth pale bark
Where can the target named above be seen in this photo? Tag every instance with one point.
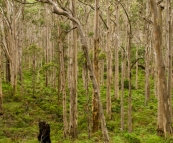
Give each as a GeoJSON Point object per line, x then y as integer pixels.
{"type": "Point", "coordinates": [116, 54]}
{"type": "Point", "coordinates": [20, 45]}
{"type": "Point", "coordinates": [11, 17]}
{"type": "Point", "coordinates": [122, 88]}
{"type": "Point", "coordinates": [129, 38]}
{"type": "Point", "coordinates": [59, 11]}
{"type": "Point", "coordinates": [1, 98]}
{"type": "Point", "coordinates": [63, 85]}
{"type": "Point", "coordinates": [46, 55]}
{"type": "Point", "coordinates": [54, 74]}
{"type": "Point", "coordinates": [102, 66]}
{"type": "Point", "coordinates": [129, 79]}
{"type": "Point", "coordinates": [129, 74]}
{"type": "Point", "coordinates": [164, 107]}
{"type": "Point", "coordinates": [59, 77]}
{"type": "Point", "coordinates": [136, 80]}
{"type": "Point", "coordinates": [87, 100]}
{"type": "Point", "coordinates": [73, 86]}
{"type": "Point", "coordinates": [34, 70]}
{"type": "Point", "coordinates": [156, 92]}
{"type": "Point", "coordinates": [95, 104]}
{"type": "Point", "coordinates": [109, 63]}
{"type": "Point", "coordinates": [102, 62]}
{"type": "Point", "coordinates": [169, 47]}
{"type": "Point", "coordinates": [68, 53]}
{"type": "Point", "coordinates": [7, 54]}
{"type": "Point", "coordinates": [147, 54]}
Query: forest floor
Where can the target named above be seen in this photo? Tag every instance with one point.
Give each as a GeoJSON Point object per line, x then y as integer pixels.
{"type": "Point", "coordinates": [22, 112]}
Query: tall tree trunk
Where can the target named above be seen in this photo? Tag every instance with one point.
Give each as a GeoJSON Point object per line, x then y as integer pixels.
{"type": "Point", "coordinates": [20, 43]}
{"type": "Point", "coordinates": [14, 54]}
{"type": "Point", "coordinates": [1, 99]}
{"type": "Point", "coordinates": [116, 54]}
{"type": "Point", "coordinates": [60, 11]}
{"type": "Point", "coordinates": [34, 72]}
{"type": "Point", "coordinates": [129, 78]}
{"type": "Point", "coordinates": [63, 84]}
{"type": "Point", "coordinates": [59, 68]}
{"type": "Point", "coordinates": [6, 50]}
{"type": "Point", "coordinates": [169, 47]}
{"type": "Point", "coordinates": [129, 33]}
{"type": "Point", "coordinates": [73, 87]}
{"type": "Point", "coordinates": [95, 106]}
{"type": "Point", "coordinates": [59, 77]}
{"type": "Point", "coordinates": [12, 15]}
{"type": "Point", "coordinates": [87, 100]}
{"type": "Point", "coordinates": [109, 63]}
{"type": "Point", "coordinates": [122, 88]}
{"type": "Point", "coordinates": [164, 107]}
{"type": "Point", "coordinates": [8, 76]}
{"type": "Point", "coordinates": [147, 52]}
{"type": "Point", "coordinates": [46, 55]}
{"type": "Point", "coordinates": [136, 80]}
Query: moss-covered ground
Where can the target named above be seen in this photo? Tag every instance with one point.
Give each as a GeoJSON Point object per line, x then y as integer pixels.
{"type": "Point", "coordinates": [19, 123]}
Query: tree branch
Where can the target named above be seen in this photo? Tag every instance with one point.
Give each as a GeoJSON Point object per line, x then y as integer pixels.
{"type": "Point", "coordinates": [135, 62]}
{"type": "Point", "coordinates": [70, 30]}
{"type": "Point", "coordinates": [6, 19]}
{"type": "Point", "coordinates": [66, 32]}
{"type": "Point", "coordinates": [159, 2]}
{"type": "Point", "coordinates": [93, 8]}
{"type": "Point", "coordinates": [123, 48]}
{"type": "Point", "coordinates": [126, 14]}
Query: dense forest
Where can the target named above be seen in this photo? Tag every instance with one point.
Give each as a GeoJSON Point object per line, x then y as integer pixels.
{"type": "Point", "coordinates": [88, 70]}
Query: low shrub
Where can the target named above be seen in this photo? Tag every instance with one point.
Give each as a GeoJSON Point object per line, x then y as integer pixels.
{"type": "Point", "coordinates": [131, 138]}
{"type": "Point", "coordinates": [152, 139]}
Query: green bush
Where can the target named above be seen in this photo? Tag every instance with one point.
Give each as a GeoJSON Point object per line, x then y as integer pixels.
{"type": "Point", "coordinates": [169, 140]}
{"type": "Point", "coordinates": [111, 125]}
{"type": "Point", "coordinates": [117, 139]}
{"type": "Point", "coordinates": [5, 140]}
{"type": "Point", "coordinates": [131, 138]}
{"type": "Point", "coordinates": [116, 108]}
{"type": "Point", "coordinates": [153, 139]}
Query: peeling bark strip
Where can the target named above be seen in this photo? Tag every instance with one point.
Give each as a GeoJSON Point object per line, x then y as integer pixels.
{"type": "Point", "coordinates": [59, 11]}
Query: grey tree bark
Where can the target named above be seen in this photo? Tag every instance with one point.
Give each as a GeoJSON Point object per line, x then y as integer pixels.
{"type": "Point", "coordinates": [1, 98]}
{"type": "Point", "coordinates": [116, 54]}
{"type": "Point", "coordinates": [95, 104]}
{"type": "Point", "coordinates": [147, 54]}
{"type": "Point", "coordinates": [73, 81]}
{"type": "Point", "coordinates": [164, 106]}
{"type": "Point", "coordinates": [109, 63]}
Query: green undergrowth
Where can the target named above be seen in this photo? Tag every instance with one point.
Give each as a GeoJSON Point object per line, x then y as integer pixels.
{"type": "Point", "coordinates": [22, 112]}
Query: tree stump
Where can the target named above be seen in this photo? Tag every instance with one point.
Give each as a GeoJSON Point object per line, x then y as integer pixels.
{"type": "Point", "coordinates": [44, 132]}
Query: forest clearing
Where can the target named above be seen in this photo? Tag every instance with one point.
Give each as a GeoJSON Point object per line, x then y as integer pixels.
{"type": "Point", "coordinates": [86, 71]}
